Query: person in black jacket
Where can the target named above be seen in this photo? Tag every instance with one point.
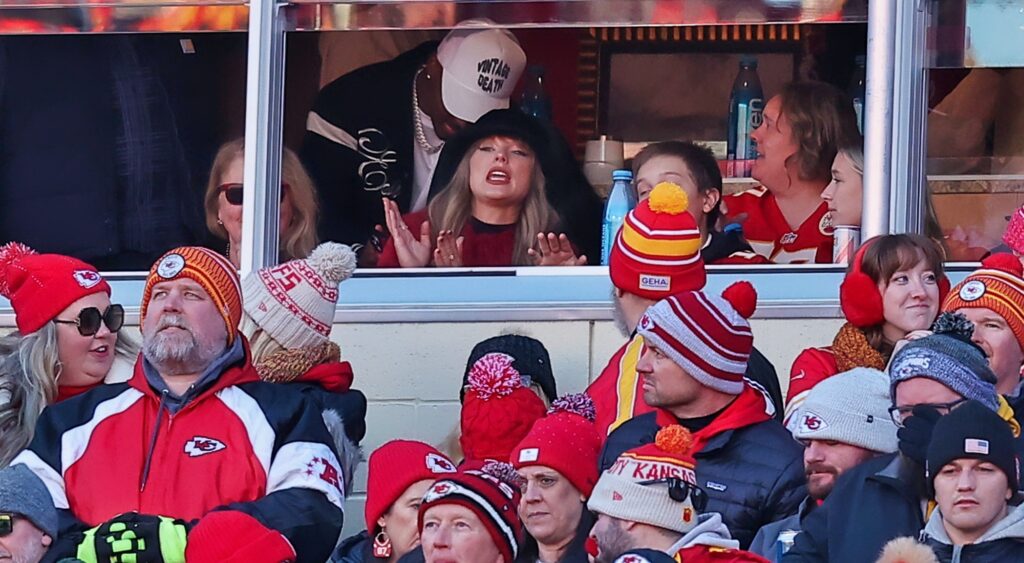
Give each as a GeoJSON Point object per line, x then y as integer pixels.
{"type": "Point", "coordinates": [697, 345]}
{"type": "Point", "coordinates": [886, 497]}
{"type": "Point", "coordinates": [377, 131]}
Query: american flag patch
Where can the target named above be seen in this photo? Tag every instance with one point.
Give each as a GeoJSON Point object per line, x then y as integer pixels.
{"type": "Point", "coordinates": [975, 446]}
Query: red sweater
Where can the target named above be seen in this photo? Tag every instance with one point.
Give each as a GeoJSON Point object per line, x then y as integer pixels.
{"type": "Point", "coordinates": [483, 244]}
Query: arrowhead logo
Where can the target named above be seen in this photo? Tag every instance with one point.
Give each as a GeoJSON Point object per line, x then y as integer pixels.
{"type": "Point", "coordinates": [201, 445]}
{"type": "Point", "coordinates": [616, 496]}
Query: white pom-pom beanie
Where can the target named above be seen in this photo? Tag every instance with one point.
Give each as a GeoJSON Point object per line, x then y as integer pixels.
{"type": "Point", "coordinates": [294, 302]}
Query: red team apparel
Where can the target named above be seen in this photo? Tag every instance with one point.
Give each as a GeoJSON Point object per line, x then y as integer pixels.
{"type": "Point", "coordinates": [768, 233]}
{"type": "Point", "coordinates": [617, 393]}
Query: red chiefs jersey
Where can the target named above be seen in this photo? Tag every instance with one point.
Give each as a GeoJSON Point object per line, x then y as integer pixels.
{"type": "Point", "coordinates": [811, 367]}
{"type": "Point", "coordinates": [768, 233]}
{"type": "Point", "coordinates": [616, 392]}
{"type": "Point", "coordinates": [714, 554]}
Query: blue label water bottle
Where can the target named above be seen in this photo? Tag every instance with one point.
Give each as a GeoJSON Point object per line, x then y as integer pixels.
{"type": "Point", "coordinates": [746, 104]}
{"type": "Point", "coordinates": [857, 90]}
{"type": "Point", "coordinates": [534, 100]}
{"type": "Point", "coordinates": [621, 201]}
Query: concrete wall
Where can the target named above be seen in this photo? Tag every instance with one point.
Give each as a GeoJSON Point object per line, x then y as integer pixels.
{"type": "Point", "coordinates": [411, 373]}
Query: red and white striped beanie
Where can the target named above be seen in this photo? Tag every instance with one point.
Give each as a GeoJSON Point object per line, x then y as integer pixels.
{"type": "Point", "coordinates": [706, 335]}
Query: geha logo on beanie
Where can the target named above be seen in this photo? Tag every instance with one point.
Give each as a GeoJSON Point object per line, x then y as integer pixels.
{"type": "Point", "coordinates": [438, 464]}
{"type": "Point", "coordinates": [492, 74]}
{"type": "Point", "coordinates": [655, 283]}
{"type": "Point", "coordinates": [972, 290]}
{"type": "Point", "coordinates": [170, 266]}
{"type": "Point", "coordinates": [87, 278]}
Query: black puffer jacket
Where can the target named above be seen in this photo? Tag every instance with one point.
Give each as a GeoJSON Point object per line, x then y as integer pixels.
{"type": "Point", "coordinates": [752, 472]}
{"type": "Point", "coordinates": [872, 503]}
{"type": "Point", "coordinates": [354, 549]}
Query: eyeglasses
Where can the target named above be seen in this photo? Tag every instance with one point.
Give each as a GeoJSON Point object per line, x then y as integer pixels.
{"type": "Point", "coordinates": [679, 490]}
{"type": "Point", "coordinates": [233, 192]}
{"type": "Point", "coordinates": [899, 415]}
{"type": "Point", "coordinates": [6, 524]}
{"type": "Point", "coordinates": [89, 320]}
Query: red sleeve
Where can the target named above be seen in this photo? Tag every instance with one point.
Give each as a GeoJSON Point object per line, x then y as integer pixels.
{"type": "Point", "coordinates": [602, 391]}
{"type": "Point", "coordinates": [388, 257]}
{"type": "Point", "coordinates": [812, 366]}
{"type": "Point", "coordinates": [742, 259]}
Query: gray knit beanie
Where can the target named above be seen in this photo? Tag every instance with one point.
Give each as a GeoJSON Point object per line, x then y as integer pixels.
{"type": "Point", "coordinates": [22, 492]}
{"type": "Point", "coordinates": [851, 407]}
{"type": "Point", "coordinates": [949, 357]}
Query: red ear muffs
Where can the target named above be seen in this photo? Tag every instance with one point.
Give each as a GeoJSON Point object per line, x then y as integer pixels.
{"type": "Point", "coordinates": [859, 296]}
{"type": "Point", "coordinates": [943, 289]}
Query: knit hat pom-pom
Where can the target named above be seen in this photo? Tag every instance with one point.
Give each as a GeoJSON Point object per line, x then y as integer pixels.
{"type": "Point", "coordinates": [673, 439]}
{"type": "Point", "coordinates": [907, 550]}
{"type": "Point", "coordinates": [1004, 262]}
{"type": "Point", "coordinates": [955, 325]}
{"type": "Point", "coordinates": [334, 261]}
{"type": "Point", "coordinates": [669, 198]}
{"type": "Point", "coordinates": [8, 254]}
{"type": "Point", "coordinates": [743, 297]}
{"type": "Point", "coordinates": [576, 403]}
{"type": "Point", "coordinates": [493, 376]}
{"type": "Point", "coordinates": [504, 472]}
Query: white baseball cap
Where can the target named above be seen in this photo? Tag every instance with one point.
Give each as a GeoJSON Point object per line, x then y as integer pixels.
{"type": "Point", "coordinates": [481, 68]}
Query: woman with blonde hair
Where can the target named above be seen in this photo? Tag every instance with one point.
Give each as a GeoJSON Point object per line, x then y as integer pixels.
{"type": "Point", "coordinates": [494, 210]}
{"type": "Point", "coordinates": [223, 202]}
{"type": "Point", "coordinates": [67, 340]}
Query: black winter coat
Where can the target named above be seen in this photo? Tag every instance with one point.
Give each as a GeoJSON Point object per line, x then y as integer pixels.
{"type": "Point", "coordinates": [354, 549]}
{"type": "Point", "coordinates": [1003, 541]}
{"type": "Point", "coordinates": [871, 504]}
{"type": "Point", "coordinates": [752, 475]}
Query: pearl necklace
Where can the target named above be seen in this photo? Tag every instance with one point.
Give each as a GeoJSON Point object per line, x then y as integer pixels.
{"type": "Point", "coordinates": [421, 138]}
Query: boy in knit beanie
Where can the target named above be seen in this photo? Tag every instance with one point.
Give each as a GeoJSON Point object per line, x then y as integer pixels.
{"type": "Point", "coordinates": [692, 372]}
{"type": "Point", "coordinates": [992, 298]}
{"type": "Point", "coordinates": [288, 311]}
{"type": "Point", "coordinates": [649, 498]}
{"type": "Point", "coordinates": [843, 422]}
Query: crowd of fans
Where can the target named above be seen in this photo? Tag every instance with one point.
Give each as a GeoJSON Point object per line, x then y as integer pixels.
{"type": "Point", "coordinates": [232, 431]}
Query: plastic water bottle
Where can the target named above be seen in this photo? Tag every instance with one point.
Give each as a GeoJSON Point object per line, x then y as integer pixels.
{"type": "Point", "coordinates": [534, 100]}
{"type": "Point", "coordinates": [746, 104]}
{"type": "Point", "coordinates": [621, 200]}
{"type": "Point", "coordinates": [857, 90]}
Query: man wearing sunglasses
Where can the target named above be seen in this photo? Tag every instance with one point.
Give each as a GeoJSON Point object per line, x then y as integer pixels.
{"type": "Point", "coordinates": [886, 497]}
{"type": "Point", "coordinates": [649, 498]}
{"type": "Point", "coordinates": [193, 436]}
{"type": "Point", "coordinates": [842, 423]}
{"type": "Point", "coordinates": [28, 521]}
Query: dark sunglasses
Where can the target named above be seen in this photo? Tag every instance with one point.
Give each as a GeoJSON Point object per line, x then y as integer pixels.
{"type": "Point", "coordinates": [233, 192]}
{"type": "Point", "coordinates": [89, 320]}
{"type": "Point", "coordinates": [6, 524]}
{"type": "Point", "coordinates": [679, 490]}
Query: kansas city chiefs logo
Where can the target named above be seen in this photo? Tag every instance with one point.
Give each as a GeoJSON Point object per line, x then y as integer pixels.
{"type": "Point", "coordinates": [87, 278]}
{"type": "Point", "coordinates": [813, 422]}
{"type": "Point", "coordinates": [646, 323]}
{"type": "Point", "coordinates": [438, 464]}
{"type": "Point", "coordinates": [200, 445]}
{"type": "Point", "coordinates": [439, 490]}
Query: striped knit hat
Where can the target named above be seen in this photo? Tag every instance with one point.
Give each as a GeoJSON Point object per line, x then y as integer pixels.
{"type": "Point", "coordinates": [632, 488]}
{"type": "Point", "coordinates": [207, 268]}
{"type": "Point", "coordinates": [997, 285]}
{"type": "Point", "coordinates": [657, 250]}
{"type": "Point", "coordinates": [492, 493]}
{"type": "Point", "coordinates": [707, 335]}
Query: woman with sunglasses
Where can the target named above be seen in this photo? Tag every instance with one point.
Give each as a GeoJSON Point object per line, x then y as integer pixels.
{"type": "Point", "coordinates": [67, 340]}
{"type": "Point", "coordinates": [492, 208]}
{"type": "Point", "coordinates": [558, 463]}
{"type": "Point", "coordinates": [223, 201]}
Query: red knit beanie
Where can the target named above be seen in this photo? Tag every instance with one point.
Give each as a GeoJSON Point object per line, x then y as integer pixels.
{"type": "Point", "coordinates": [230, 536]}
{"type": "Point", "coordinates": [393, 468]}
{"type": "Point", "coordinates": [498, 410]}
{"type": "Point", "coordinates": [40, 286]}
{"type": "Point", "coordinates": [492, 493]}
{"type": "Point", "coordinates": [998, 286]}
{"type": "Point", "coordinates": [565, 440]}
{"type": "Point", "coordinates": [1014, 234]}
{"type": "Point", "coordinates": [657, 250]}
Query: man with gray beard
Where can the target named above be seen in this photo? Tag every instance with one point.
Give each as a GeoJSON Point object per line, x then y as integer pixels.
{"type": "Point", "coordinates": [655, 254]}
{"type": "Point", "coordinates": [193, 445]}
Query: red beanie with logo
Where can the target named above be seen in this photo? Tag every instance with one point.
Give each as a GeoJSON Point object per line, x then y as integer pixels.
{"type": "Point", "coordinates": [40, 286]}
{"type": "Point", "coordinates": [393, 468]}
{"type": "Point", "coordinates": [565, 440]}
{"type": "Point", "coordinates": [498, 410]}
